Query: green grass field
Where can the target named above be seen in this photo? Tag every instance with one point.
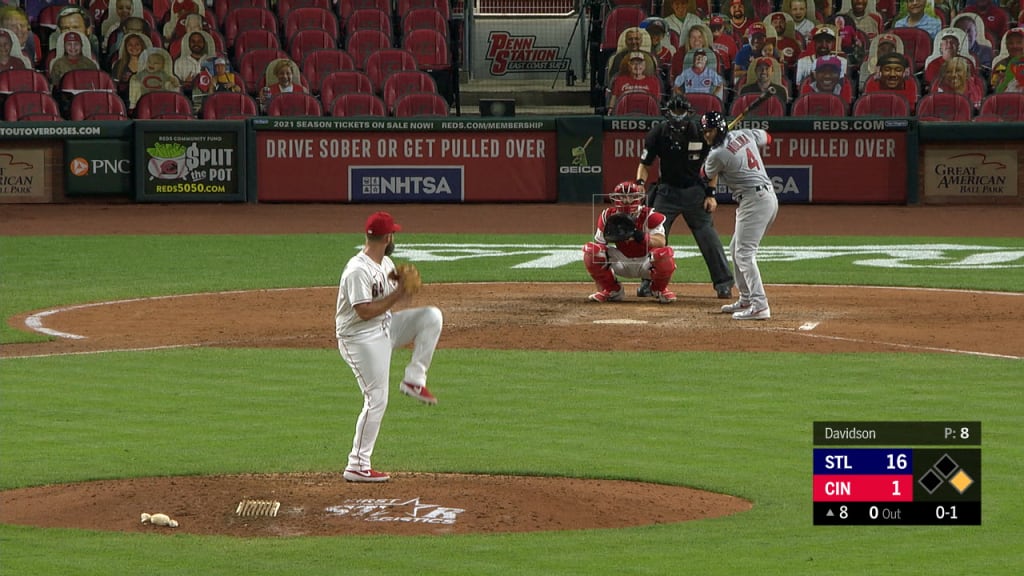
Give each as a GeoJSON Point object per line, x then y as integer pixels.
{"type": "Point", "coordinates": [738, 423]}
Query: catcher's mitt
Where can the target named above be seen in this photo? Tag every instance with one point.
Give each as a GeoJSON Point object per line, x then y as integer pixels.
{"type": "Point", "coordinates": [408, 277]}
{"type": "Point", "coordinates": [618, 228]}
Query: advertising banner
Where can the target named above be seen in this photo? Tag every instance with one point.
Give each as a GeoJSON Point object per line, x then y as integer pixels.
{"type": "Point", "coordinates": [98, 167]}
{"type": "Point", "coordinates": [541, 47]}
{"type": "Point", "coordinates": [330, 166]}
{"type": "Point", "coordinates": [970, 173]}
{"type": "Point", "coordinates": [580, 158]}
{"type": "Point", "coordinates": [23, 175]}
{"type": "Point", "coordinates": [204, 162]}
{"type": "Point", "coordinates": [623, 143]}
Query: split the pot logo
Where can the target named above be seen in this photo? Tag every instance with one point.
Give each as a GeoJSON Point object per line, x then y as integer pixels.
{"type": "Point", "coordinates": [509, 54]}
{"type": "Point", "coordinates": [395, 510]}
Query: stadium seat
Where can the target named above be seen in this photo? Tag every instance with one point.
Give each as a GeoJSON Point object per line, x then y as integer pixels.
{"type": "Point", "coordinates": [369, 19]}
{"type": "Point", "coordinates": [1007, 105]}
{"type": "Point", "coordinates": [362, 43]}
{"type": "Point", "coordinates": [88, 105]}
{"type": "Point", "coordinates": [618, 19]}
{"type": "Point", "coordinates": [429, 47]}
{"type": "Point", "coordinates": [771, 108]}
{"type": "Point", "coordinates": [405, 6]}
{"type": "Point", "coordinates": [23, 81]}
{"type": "Point", "coordinates": [41, 117]}
{"type": "Point", "coordinates": [421, 104]}
{"type": "Point", "coordinates": [424, 18]}
{"type": "Point", "coordinates": [917, 46]}
{"type": "Point", "coordinates": [163, 104]}
{"type": "Point", "coordinates": [344, 82]}
{"type": "Point", "coordinates": [382, 63]}
{"type": "Point", "coordinates": [358, 104]}
{"type": "Point", "coordinates": [305, 42]}
{"type": "Point", "coordinates": [987, 118]}
{"type": "Point", "coordinates": [636, 104]}
{"type": "Point", "coordinates": [285, 7]}
{"type": "Point", "coordinates": [404, 82]}
{"type": "Point", "coordinates": [242, 19]}
{"type": "Point", "coordinates": [28, 105]}
{"type": "Point", "coordinates": [312, 18]}
{"type": "Point", "coordinates": [886, 104]}
{"type": "Point", "coordinates": [222, 7]}
{"type": "Point", "coordinates": [944, 106]}
{"type": "Point", "coordinates": [320, 63]}
{"type": "Point", "coordinates": [294, 104]}
{"type": "Point", "coordinates": [818, 104]}
{"type": "Point", "coordinates": [253, 66]}
{"type": "Point", "coordinates": [249, 40]}
{"type": "Point", "coordinates": [347, 7]}
{"type": "Point", "coordinates": [229, 106]}
{"type": "Point", "coordinates": [705, 103]}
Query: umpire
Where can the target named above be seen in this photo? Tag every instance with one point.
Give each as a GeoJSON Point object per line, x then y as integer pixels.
{"type": "Point", "coordinates": [682, 150]}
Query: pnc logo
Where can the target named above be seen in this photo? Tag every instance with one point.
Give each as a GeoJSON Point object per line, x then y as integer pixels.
{"type": "Point", "coordinates": [80, 166]}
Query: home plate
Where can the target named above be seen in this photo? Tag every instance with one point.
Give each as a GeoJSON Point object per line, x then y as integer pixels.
{"type": "Point", "coordinates": [808, 326]}
{"type": "Point", "coordinates": [620, 321]}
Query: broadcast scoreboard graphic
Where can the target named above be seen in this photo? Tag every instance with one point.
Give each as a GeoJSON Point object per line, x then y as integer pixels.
{"type": "Point", "coordinates": [899, 473]}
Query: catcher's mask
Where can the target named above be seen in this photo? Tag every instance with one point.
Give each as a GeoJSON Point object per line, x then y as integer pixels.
{"type": "Point", "coordinates": [677, 110]}
{"type": "Point", "coordinates": [714, 121]}
{"type": "Point", "coordinates": [628, 197]}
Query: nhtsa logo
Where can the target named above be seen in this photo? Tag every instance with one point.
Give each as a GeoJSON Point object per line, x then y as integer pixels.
{"type": "Point", "coordinates": [395, 510]}
{"type": "Point", "coordinates": [932, 256]}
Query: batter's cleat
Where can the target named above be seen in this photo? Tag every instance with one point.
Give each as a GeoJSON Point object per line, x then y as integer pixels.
{"type": "Point", "coordinates": [736, 306]}
{"type": "Point", "coordinates": [644, 289]}
{"type": "Point", "coordinates": [370, 475]}
{"type": "Point", "coordinates": [608, 296]}
{"type": "Point", "coordinates": [665, 296]}
{"type": "Point", "coordinates": [753, 314]}
{"type": "Point", "coordinates": [418, 392]}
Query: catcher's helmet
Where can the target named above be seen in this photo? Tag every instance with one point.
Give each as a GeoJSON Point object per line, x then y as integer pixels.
{"type": "Point", "coordinates": [714, 121]}
{"type": "Point", "coordinates": [628, 197]}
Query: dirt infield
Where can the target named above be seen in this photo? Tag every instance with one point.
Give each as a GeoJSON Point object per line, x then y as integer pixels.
{"type": "Point", "coordinates": [523, 316]}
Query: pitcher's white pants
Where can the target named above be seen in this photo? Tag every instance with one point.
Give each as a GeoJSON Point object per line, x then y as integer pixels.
{"type": "Point", "coordinates": [756, 212]}
{"type": "Point", "coordinates": [369, 356]}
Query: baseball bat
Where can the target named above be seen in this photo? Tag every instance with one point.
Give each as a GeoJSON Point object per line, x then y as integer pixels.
{"type": "Point", "coordinates": [753, 105]}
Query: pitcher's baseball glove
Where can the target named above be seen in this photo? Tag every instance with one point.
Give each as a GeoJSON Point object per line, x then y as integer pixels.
{"type": "Point", "coordinates": [408, 277]}
{"type": "Point", "coordinates": [619, 228]}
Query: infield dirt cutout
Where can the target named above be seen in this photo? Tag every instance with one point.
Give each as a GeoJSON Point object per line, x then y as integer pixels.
{"type": "Point", "coordinates": [498, 316]}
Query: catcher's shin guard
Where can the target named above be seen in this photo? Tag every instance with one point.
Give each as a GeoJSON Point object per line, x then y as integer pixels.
{"type": "Point", "coordinates": [663, 265]}
{"type": "Point", "coordinates": [595, 258]}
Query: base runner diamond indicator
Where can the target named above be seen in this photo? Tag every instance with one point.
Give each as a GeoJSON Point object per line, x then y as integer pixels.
{"type": "Point", "coordinates": [930, 481]}
{"type": "Point", "coordinates": [961, 481]}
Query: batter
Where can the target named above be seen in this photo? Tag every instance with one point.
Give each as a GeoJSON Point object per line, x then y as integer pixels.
{"type": "Point", "coordinates": [735, 157]}
{"type": "Point", "coordinates": [368, 331]}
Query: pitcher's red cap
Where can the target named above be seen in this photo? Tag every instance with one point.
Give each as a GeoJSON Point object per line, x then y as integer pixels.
{"type": "Point", "coordinates": [381, 223]}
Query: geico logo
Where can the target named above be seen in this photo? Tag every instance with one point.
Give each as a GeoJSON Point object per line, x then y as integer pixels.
{"type": "Point", "coordinates": [579, 169]}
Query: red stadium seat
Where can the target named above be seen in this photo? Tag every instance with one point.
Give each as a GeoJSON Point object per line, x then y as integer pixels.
{"type": "Point", "coordinates": [222, 7]}
{"type": "Point", "coordinates": [305, 42]}
{"type": "Point", "coordinates": [705, 103]}
{"type": "Point", "coordinates": [424, 18]}
{"type": "Point", "coordinates": [229, 106]}
{"type": "Point", "coordinates": [163, 104]}
{"type": "Point", "coordinates": [347, 7]}
{"type": "Point", "coordinates": [881, 104]}
{"type": "Point", "coordinates": [285, 7]}
{"type": "Point", "coordinates": [87, 105]}
{"type": "Point", "coordinates": [1007, 105]}
{"type": "Point", "coordinates": [944, 106]}
{"type": "Point", "coordinates": [29, 106]}
{"type": "Point", "coordinates": [369, 19]}
{"type": "Point", "coordinates": [250, 40]}
{"type": "Point", "coordinates": [23, 81]}
{"type": "Point", "coordinates": [636, 104]}
{"type": "Point", "coordinates": [429, 47]}
{"type": "Point", "coordinates": [312, 18]}
{"type": "Point", "coordinates": [404, 82]}
{"type": "Point", "coordinates": [320, 63]}
{"type": "Point", "coordinates": [242, 19]}
{"type": "Point", "coordinates": [294, 104]}
{"type": "Point", "coordinates": [382, 63]}
{"type": "Point", "coordinates": [421, 104]}
{"type": "Point", "coordinates": [358, 104]}
{"type": "Point", "coordinates": [253, 67]}
{"type": "Point", "coordinates": [771, 108]}
{"type": "Point", "coordinates": [344, 82]}
{"type": "Point", "coordinates": [405, 6]}
{"type": "Point", "coordinates": [818, 104]}
{"type": "Point", "coordinates": [917, 46]}
{"type": "Point", "coordinates": [619, 18]}
{"type": "Point", "coordinates": [362, 43]}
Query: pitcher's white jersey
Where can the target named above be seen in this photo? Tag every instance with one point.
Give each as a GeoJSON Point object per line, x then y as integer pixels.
{"type": "Point", "coordinates": [737, 161]}
{"type": "Point", "coordinates": [363, 280]}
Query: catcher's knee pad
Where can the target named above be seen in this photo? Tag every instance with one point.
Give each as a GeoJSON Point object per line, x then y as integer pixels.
{"type": "Point", "coordinates": [663, 263]}
{"type": "Point", "coordinates": [595, 258]}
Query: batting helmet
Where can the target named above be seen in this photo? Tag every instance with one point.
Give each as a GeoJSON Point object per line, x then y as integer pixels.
{"type": "Point", "coordinates": [714, 121]}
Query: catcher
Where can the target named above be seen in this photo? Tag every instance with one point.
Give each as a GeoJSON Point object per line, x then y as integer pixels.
{"type": "Point", "coordinates": [368, 331]}
{"type": "Point", "coordinates": [629, 242]}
